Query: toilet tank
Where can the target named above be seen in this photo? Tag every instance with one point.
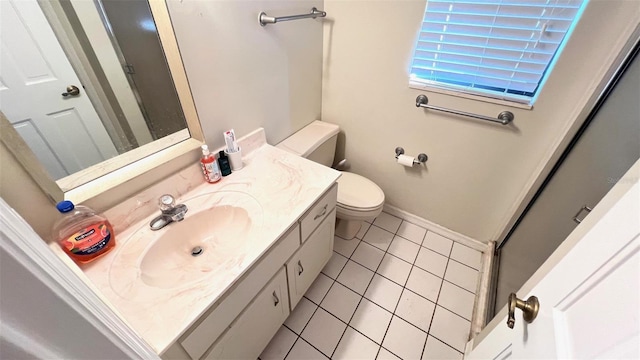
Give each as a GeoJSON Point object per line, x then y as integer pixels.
{"type": "Point", "coordinates": [316, 142]}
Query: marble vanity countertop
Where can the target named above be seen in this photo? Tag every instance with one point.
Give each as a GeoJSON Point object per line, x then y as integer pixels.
{"type": "Point", "coordinates": [285, 186]}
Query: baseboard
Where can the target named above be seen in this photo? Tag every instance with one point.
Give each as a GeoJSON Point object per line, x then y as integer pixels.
{"type": "Point", "coordinates": [438, 229]}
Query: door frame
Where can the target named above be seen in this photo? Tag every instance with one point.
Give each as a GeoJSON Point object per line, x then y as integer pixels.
{"type": "Point", "coordinates": [19, 241]}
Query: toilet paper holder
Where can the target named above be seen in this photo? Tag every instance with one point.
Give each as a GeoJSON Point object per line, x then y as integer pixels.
{"type": "Point", "coordinates": [421, 159]}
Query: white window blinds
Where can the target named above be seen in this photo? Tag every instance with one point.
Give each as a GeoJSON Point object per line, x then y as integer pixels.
{"type": "Point", "coordinates": [496, 48]}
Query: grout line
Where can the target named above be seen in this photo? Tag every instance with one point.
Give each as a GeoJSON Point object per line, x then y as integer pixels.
{"type": "Point", "coordinates": [423, 236]}
{"type": "Point", "coordinates": [299, 336]}
{"type": "Point", "coordinates": [461, 263]}
{"type": "Point", "coordinates": [314, 313]}
{"type": "Point", "coordinates": [367, 288]}
{"type": "Point", "coordinates": [431, 301]}
{"type": "Point", "coordinates": [341, 268]}
{"type": "Point", "coordinates": [458, 315]}
{"type": "Point", "coordinates": [435, 337]}
{"type": "Point", "coordinates": [325, 295]}
{"type": "Point", "coordinates": [294, 342]}
{"type": "Point", "coordinates": [403, 286]}
{"type": "Point", "coordinates": [363, 334]}
{"type": "Point", "coordinates": [396, 230]}
{"type": "Point", "coordinates": [310, 344]}
{"type": "Point", "coordinates": [343, 331]}
{"type": "Point", "coordinates": [431, 272]}
{"type": "Point", "coordinates": [399, 299]}
{"type": "Point", "coordinates": [361, 296]}
{"type": "Point", "coordinates": [381, 347]}
{"type": "Point", "coordinates": [460, 287]}
{"type": "Point", "coordinates": [364, 266]}
{"type": "Point", "coordinates": [441, 277]}
{"type": "Point", "coordinates": [328, 312]}
{"type": "Point", "coordinates": [409, 322]}
{"type": "Point", "coordinates": [290, 329]}
{"type": "Point", "coordinates": [437, 300]}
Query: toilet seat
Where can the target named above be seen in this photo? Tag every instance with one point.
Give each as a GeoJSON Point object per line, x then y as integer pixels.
{"type": "Point", "coordinates": [358, 194]}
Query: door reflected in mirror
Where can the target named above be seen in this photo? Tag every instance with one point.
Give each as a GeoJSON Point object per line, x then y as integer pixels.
{"type": "Point", "coordinates": [86, 81]}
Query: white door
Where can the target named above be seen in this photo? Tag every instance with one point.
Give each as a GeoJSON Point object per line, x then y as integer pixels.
{"type": "Point", "coordinates": [590, 299]}
{"type": "Point", "coordinates": [64, 132]}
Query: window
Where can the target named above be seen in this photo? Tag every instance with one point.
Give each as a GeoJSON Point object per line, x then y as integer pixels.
{"type": "Point", "coordinates": [497, 48]}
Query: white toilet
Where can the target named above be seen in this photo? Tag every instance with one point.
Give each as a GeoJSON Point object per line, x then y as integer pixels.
{"type": "Point", "coordinates": [359, 198]}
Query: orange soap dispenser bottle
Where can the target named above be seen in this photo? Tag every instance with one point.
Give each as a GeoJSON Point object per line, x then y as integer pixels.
{"type": "Point", "coordinates": [83, 234]}
{"type": "Point", "coordinates": [209, 166]}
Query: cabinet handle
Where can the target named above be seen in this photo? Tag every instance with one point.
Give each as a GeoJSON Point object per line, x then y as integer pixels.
{"type": "Point", "coordinates": [324, 211]}
{"type": "Point", "coordinates": [584, 208]}
{"type": "Point", "coordinates": [276, 301]}
{"type": "Point", "coordinates": [300, 268]}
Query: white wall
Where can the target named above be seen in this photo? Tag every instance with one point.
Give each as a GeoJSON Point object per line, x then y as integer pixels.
{"type": "Point", "coordinates": [478, 173]}
{"type": "Point", "coordinates": [245, 76]}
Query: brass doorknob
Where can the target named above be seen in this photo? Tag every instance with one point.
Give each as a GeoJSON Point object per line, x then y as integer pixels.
{"type": "Point", "coordinates": [71, 90]}
{"type": "Point", "coordinates": [529, 309]}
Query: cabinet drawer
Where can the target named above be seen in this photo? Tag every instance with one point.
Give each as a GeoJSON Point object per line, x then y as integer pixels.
{"type": "Point", "coordinates": [217, 320]}
{"type": "Point", "coordinates": [308, 261]}
{"type": "Point", "coordinates": [253, 329]}
{"type": "Point", "coordinates": [312, 218]}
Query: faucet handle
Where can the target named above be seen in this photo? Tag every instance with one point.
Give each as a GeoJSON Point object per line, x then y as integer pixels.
{"type": "Point", "coordinates": [166, 202]}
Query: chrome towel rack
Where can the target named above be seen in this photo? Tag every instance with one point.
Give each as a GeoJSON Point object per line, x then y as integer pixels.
{"type": "Point", "coordinates": [265, 19]}
{"type": "Point", "coordinates": [503, 118]}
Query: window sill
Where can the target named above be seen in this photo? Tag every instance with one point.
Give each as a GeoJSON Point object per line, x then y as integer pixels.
{"type": "Point", "coordinates": [435, 89]}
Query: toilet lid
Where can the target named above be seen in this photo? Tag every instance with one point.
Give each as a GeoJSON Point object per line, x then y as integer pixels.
{"type": "Point", "coordinates": [355, 191]}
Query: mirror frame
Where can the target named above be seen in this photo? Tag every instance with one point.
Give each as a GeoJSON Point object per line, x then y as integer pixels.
{"type": "Point", "coordinates": [95, 180]}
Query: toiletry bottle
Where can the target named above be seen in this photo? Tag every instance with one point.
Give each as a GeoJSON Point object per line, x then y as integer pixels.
{"type": "Point", "coordinates": [223, 161]}
{"type": "Point", "coordinates": [210, 168]}
{"type": "Point", "coordinates": [83, 234]}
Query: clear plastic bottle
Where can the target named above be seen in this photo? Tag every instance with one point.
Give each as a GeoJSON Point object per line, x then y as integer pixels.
{"type": "Point", "coordinates": [83, 234]}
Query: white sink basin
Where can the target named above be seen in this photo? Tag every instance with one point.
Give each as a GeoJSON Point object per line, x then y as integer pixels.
{"type": "Point", "coordinates": [217, 228]}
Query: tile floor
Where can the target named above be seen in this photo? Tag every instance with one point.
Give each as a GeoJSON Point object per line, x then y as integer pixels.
{"type": "Point", "coordinates": [396, 291]}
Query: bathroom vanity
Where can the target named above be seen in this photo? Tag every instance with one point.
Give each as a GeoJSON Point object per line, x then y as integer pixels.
{"type": "Point", "coordinates": [266, 232]}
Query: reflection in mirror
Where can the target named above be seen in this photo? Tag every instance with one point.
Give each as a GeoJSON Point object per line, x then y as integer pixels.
{"type": "Point", "coordinates": [86, 82]}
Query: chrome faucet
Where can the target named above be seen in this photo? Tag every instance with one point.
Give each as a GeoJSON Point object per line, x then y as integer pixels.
{"type": "Point", "coordinates": [170, 212]}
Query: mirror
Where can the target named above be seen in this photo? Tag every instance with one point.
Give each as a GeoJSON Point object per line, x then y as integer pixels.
{"type": "Point", "coordinates": [92, 86]}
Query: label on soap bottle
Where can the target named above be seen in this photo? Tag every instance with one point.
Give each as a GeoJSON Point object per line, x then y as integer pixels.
{"type": "Point", "coordinates": [211, 171]}
{"type": "Point", "coordinates": [89, 240]}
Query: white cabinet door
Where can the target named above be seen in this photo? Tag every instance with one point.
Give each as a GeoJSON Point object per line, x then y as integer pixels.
{"type": "Point", "coordinates": [308, 261]}
{"type": "Point", "coordinates": [589, 299]}
{"type": "Point", "coordinates": [213, 324]}
{"type": "Point", "coordinates": [253, 329]}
